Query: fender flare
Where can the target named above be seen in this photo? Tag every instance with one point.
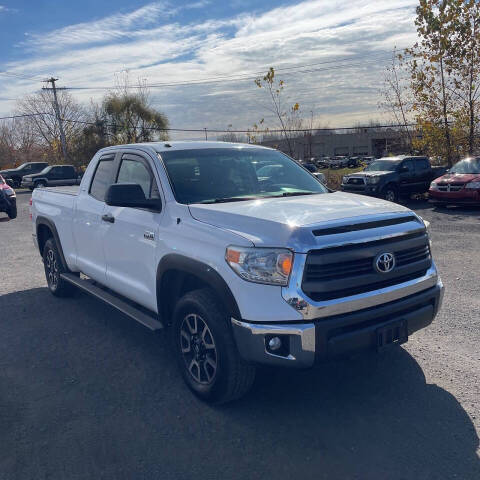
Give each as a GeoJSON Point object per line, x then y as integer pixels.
{"type": "Point", "coordinates": [41, 179]}
{"type": "Point", "coordinates": [204, 272]}
{"type": "Point", "coordinates": [48, 223]}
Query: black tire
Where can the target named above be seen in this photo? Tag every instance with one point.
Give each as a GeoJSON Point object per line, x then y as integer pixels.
{"type": "Point", "coordinates": [12, 211]}
{"type": "Point", "coordinates": [390, 193]}
{"type": "Point", "coordinates": [53, 268]}
{"type": "Point", "coordinates": [197, 349]}
{"type": "Point", "coordinates": [40, 184]}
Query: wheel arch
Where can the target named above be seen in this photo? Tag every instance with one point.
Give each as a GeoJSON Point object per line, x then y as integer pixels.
{"type": "Point", "coordinates": [178, 274]}
{"type": "Point", "coordinates": [46, 229]}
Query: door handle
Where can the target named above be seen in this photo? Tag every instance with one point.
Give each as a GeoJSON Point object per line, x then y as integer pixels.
{"type": "Point", "coordinates": [108, 218]}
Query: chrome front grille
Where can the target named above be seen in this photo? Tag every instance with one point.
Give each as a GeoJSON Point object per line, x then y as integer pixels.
{"type": "Point", "coordinates": [450, 187]}
{"type": "Point", "coordinates": [349, 270]}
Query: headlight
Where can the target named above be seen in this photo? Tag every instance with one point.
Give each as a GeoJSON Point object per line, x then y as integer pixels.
{"type": "Point", "coordinates": [433, 186]}
{"type": "Point", "coordinates": [344, 179]}
{"type": "Point", "coordinates": [473, 185]}
{"type": "Point", "coordinates": [10, 192]}
{"type": "Point", "coordinates": [373, 180]}
{"type": "Point", "coordinates": [261, 265]}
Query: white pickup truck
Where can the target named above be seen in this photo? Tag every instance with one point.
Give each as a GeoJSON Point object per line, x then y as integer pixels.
{"type": "Point", "coordinates": [244, 269]}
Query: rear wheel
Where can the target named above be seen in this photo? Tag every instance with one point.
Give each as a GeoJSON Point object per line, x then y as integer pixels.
{"type": "Point", "coordinates": [53, 269]}
{"type": "Point", "coordinates": [206, 351]}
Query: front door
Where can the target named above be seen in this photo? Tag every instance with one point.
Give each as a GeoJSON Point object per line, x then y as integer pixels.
{"type": "Point", "coordinates": [407, 177]}
{"type": "Point", "coordinates": [130, 242]}
{"type": "Point", "coordinates": [88, 226]}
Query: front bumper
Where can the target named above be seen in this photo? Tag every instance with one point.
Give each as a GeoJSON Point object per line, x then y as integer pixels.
{"type": "Point", "coordinates": [462, 197]}
{"type": "Point", "coordinates": [26, 183]}
{"type": "Point", "coordinates": [365, 189]}
{"type": "Point", "coordinates": [329, 337]}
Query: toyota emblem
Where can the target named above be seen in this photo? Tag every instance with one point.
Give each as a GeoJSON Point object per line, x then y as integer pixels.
{"type": "Point", "coordinates": [384, 263]}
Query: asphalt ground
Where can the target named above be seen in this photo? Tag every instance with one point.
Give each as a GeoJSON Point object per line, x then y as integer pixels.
{"type": "Point", "coordinates": [86, 393]}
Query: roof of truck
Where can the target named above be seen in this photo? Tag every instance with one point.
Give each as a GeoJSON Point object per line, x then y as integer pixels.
{"type": "Point", "coordinates": [186, 145]}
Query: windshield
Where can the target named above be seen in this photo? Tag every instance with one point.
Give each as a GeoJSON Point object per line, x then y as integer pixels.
{"type": "Point", "coordinates": [469, 165]}
{"type": "Point", "coordinates": [233, 174]}
{"type": "Point", "coordinates": [45, 170]}
{"type": "Point", "coordinates": [382, 166]}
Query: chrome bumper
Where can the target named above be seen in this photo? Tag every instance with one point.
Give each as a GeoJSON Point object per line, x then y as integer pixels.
{"type": "Point", "coordinates": [251, 343]}
{"type": "Point", "coordinates": [327, 337]}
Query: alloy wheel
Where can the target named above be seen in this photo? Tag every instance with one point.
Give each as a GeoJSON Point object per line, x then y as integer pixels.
{"type": "Point", "coordinates": [52, 269]}
{"type": "Point", "coordinates": [198, 349]}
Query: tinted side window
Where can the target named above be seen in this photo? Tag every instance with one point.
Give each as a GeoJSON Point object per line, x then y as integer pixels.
{"type": "Point", "coordinates": [102, 178]}
{"type": "Point", "coordinates": [422, 164]}
{"type": "Point", "coordinates": [408, 164]}
{"type": "Point", "coordinates": [134, 170]}
{"type": "Point", "coordinates": [55, 172]}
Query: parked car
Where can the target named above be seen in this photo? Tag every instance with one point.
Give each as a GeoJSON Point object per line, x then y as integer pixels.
{"type": "Point", "coordinates": [320, 177]}
{"type": "Point", "coordinates": [52, 176]}
{"type": "Point", "coordinates": [354, 162]}
{"type": "Point", "coordinates": [8, 199]}
{"type": "Point", "coordinates": [14, 176]}
{"type": "Point", "coordinates": [242, 270]}
{"type": "Point", "coordinates": [461, 185]}
{"type": "Point", "coordinates": [391, 178]}
{"type": "Point", "coordinates": [311, 167]}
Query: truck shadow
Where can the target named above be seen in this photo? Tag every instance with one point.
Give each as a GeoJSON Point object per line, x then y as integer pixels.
{"type": "Point", "coordinates": [75, 373]}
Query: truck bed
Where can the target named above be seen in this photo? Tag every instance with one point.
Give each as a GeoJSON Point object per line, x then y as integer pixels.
{"type": "Point", "coordinates": [68, 190]}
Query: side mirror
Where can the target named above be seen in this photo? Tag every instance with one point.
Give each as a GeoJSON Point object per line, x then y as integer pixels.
{"type": "Point", "coordinates": [130, 195]}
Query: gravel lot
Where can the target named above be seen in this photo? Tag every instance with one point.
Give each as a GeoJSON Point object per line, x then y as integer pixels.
{"type": "Point", "coordinates": [87, 393]}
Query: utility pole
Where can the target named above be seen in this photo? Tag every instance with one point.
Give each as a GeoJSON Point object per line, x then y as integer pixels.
{"type": "Point", "coordinates": [206, 134]}
{"type": "Point", "coordinates": [63, 139]}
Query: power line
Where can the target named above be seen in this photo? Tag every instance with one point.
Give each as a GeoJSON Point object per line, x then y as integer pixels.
{"type": "Point", "coordinates": [25, 115]}
{"type": "Point", "coordinates": [306, 68]}
{"type": "Point", "coordinates": [214, 130]}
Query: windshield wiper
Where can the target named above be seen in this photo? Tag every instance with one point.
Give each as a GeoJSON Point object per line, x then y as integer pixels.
{"type": "Point", "coordinates": [292, 194]}
{"type": "Point", "coordinates": [228, 199]}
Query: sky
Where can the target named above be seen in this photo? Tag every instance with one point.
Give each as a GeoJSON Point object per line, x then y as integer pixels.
{"type": "Point", "coordinates": [331, 54]}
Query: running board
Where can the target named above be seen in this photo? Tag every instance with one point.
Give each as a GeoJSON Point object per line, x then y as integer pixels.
{"type": "Point", "coordinates": [140, 316]}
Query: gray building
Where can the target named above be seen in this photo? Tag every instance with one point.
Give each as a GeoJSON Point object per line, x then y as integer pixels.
{"type": "Point", "coordinates": [359, 142]}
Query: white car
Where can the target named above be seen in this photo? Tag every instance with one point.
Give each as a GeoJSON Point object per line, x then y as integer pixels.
{"type": "Point", "coordinates": [243, 269]}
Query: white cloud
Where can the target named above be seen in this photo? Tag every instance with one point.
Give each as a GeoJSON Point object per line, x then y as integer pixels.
{"type": "Point", "coordinates": [154, 47]}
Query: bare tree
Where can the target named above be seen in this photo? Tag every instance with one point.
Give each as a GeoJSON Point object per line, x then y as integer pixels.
{"type": "Point", "coordinates": [397, 95]}
{"type": "Point", "coordinates": [43, 124]}
{"type": "Point", "coordinates": [288, 119]}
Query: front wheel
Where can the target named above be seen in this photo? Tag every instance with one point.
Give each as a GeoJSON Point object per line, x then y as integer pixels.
{"type": "Point", "coordinates": [206, 351]}
{"type": "Point", "coordinates": [390, 193]}
{"type": "Point", "coordinates": [12, 211]}
{"type": "Point", "coordinates": [40, 184]}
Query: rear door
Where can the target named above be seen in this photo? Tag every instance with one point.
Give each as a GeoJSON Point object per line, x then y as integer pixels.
{"type": "Point", "coordinates": [89, 227]}
{"type": "Point", "coordinates": [54, 176]}
{"type": "Point", "coordinates": [423, 172]}
{"type": "Point", "coordinates": [131, 240]}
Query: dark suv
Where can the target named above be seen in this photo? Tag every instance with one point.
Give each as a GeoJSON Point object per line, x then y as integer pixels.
{"type": "Point", "coordinates": [14, 176]}
{"type": "Point", "coordinates": [392, 177]}
{"type": "Point", "coordinates": [52, 176]}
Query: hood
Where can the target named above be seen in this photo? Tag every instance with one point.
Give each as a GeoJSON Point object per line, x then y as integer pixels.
{"type": "Point", "coordinates": [288, 222]}
{"type": "Point", "coordinates": [369, 174]}
{"type": "Point", "coordinates": [458, 178]}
